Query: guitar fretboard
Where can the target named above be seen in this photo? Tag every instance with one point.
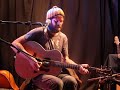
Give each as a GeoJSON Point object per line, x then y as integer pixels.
{"type": "Point", "coordinates": [65, 65]}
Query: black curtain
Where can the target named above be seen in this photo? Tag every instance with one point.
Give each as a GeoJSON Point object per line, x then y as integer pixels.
{"type": "Point", "coordinates": [89, 24]}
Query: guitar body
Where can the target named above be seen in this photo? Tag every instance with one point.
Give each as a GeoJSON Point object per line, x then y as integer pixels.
{"type": "Point", "coordinates": [7, 81]}
{"type": "Point", "coordinates": [23, 62]}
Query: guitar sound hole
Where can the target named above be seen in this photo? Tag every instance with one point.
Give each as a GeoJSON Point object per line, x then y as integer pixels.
{"type": "Point", "coordinates": [44, 69]}
{"type": "Point", "coordinates": [47, 59]}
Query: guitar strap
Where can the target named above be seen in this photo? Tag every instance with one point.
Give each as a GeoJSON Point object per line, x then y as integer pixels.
{"type": "Point", "coordinates": [51, 44]}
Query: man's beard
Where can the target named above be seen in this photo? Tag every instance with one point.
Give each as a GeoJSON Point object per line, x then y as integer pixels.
{"type": "Point", "coordinates": [53, 30]}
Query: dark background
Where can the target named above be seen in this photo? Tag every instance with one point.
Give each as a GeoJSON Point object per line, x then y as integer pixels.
{"type": "Point", "coordinates": [89, 24]}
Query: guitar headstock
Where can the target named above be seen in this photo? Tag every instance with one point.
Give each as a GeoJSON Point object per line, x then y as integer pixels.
{"type": "Point", "coordinates": [116, 40]}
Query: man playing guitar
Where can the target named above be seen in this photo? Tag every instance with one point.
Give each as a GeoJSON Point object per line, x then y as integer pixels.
{"type": "Point", "coordinates": [50, 38]}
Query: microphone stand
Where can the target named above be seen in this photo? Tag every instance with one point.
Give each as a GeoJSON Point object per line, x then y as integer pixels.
{"type": "Point", "coordinates": [104, 77]}
{"type": "Point", "coordinates": [24, 23]}
{"type": "Point", "coordinates": [108, 79]}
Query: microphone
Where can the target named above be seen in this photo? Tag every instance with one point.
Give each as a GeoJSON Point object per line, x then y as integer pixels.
{"type": "Point", "coordinates": [48, 21]}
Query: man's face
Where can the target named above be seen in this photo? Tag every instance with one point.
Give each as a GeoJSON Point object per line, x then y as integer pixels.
{"type": "Point", "coordinates": [56, 23]}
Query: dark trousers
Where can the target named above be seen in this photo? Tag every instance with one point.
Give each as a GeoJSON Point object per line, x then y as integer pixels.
{"type": "Point", "coordinates": [114, 63]}
{"type": "Point", "coordinates": [49, 82]}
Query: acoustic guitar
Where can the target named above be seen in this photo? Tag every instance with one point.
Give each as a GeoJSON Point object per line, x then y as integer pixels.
{"type": "Point", "coordinates": [7, 81]}
{"type": "Point", "coordinates": [52, 62]}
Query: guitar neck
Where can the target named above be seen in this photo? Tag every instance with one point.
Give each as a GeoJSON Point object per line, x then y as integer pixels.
{"type": "Point", "coordinates": [64, 65]}
{"type": "Point", "coordinates": [76, 67]}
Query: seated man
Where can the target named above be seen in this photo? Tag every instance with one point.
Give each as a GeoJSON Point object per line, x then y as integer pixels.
{"type": "Point", "coordinates": [50, 38]}
{"type": "Point", "coordinates": [114, 59]}
{"type": "Point", "coordinates": [113, 62]}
